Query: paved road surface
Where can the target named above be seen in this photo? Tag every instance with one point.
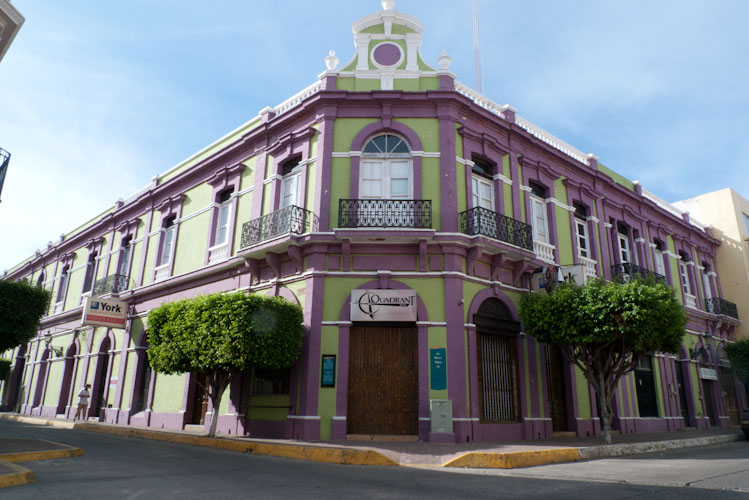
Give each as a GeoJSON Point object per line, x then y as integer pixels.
{"type": "Point", "coordinates": [119, 468]}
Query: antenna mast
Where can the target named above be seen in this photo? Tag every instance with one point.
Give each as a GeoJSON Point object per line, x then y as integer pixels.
{"type": "Point", "coordinates": [477, 48]}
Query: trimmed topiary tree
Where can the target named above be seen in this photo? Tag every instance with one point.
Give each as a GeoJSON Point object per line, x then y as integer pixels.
{"type": "Point", "coordinates": [22, 305]}
{"type": "Point", "coordinates": [222, 334]}
{"type": "Point", "coordinates": [604, 328]}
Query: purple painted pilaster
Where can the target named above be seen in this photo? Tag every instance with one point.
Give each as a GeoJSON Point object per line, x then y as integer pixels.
{"type": "Point", "coordinates": [530, 343]}
{"type": "Point", "coordinates": [448, 173]}
{"type": "Point", "coordinates": [604, 255]}
{"type": "Point", "coordinates": [423, 369]}
{"type": "Point", "coordinates": [473, 380]}
{"type": "Point", "coordinates": [123, 365]}
{"type": "Point", "coordinates": [110, 247]}
{"type": "Point", "coordinates": [456, 354]}
{"type": "Point", "coordinates": [527, 425]}
{"type": "Point", "coordinates": [544, 395]}
{"type": "Point", "coordinates": [573, 233]}
{"type": "Point", "coordinates": [310, 360]}
{"type": "Point", "coordinates": [32, 362]}
{"type": "Point", "coordinates": [516, 181]}
{"type": "Point", "coordinates": [324, 170]}
{"type": "Point", "coordinates": [341, 406]}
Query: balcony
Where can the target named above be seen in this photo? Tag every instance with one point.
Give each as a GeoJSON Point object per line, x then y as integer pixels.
{"type": "Point", "coordinates": [114, 283]}
{"type": "Point", "coordinates": [288, 220]}
{"type": "Point", "coordinates": [628, 271]}
{"type": "Point", "coordinates": [721, 307]}
{"type": "Point", "coordinates": [500, 227]}
{"type": "Point", "coordinates": [385, 213]}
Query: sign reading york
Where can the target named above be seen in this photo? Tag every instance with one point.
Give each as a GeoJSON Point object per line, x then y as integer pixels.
{"type": "Point", "coordinates": [383, 305]}
{"type": "Point", "coordinates": [104, 312]}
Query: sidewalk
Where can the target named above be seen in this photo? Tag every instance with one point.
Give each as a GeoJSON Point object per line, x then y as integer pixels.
{"type": "Point", "coordinates": [415, 454]}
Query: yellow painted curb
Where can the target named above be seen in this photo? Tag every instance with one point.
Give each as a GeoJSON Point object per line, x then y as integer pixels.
{"type": "Point", "coordinates": [62, 424]}
{"type": "Point", "coordinates": [324, 454]}
{"type": "Point", "coordinates": [33, 456]}
{"type": "Point", "coordinates": [514, 459]}
{"type": "Point", "coordinates": [22, 475]}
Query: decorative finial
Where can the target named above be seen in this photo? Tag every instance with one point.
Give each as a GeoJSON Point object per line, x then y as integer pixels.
{"type": "Point", "coordinates": [331, 61]}
{"type": "Point", "coordinates": [388, 4]}
{"type": "Point", "coordinates": [444, 60]}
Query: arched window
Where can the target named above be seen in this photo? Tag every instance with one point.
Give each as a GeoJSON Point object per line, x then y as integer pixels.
{"type": "Point", "coordinates": [386, 171]}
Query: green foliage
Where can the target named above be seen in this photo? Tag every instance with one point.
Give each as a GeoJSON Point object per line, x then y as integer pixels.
{"type": "Point", "coordinates": [224, 332]}
{"type": "Point", "coordinates": [21, 307]}
{"type": "Point", "coordinates": [738, 354]}
{"type": "Point", "coordinates": [4, 368]}
{"type": "Point", "coordinates": [638, 317]}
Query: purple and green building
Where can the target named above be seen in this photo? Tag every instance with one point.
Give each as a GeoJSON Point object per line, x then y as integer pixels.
{"type": "Point", "coordinates": [407, 214]}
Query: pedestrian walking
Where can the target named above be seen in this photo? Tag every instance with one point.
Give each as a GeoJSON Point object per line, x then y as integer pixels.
{"type": "Point", "coordinates": [83, 397]}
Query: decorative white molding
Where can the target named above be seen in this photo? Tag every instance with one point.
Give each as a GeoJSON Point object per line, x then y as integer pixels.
{"type": "Point", "coordinates": [527, 189]}
{"type": "Point", "coordinates": [274, 177]}
{"type": "Point", "coordinates": [639, 240]}
{"type": "Point", "coordinates": [501, 177]}
{"type": "Point", "coordinates": [592, 218]}
{"type": "Point", "coordinates": [608, 225]}
{"type": "Point", "coordinates": [559, 204]}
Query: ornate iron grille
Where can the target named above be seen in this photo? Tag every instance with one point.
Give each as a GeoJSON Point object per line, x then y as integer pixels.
{"type": "Point", "coordinates": [489, 223]}
{"type": "Point", "coordinates": [628, 271]}
{"type": "Point", "coordinates": [724, 307]}
{"type": "Point", "coordinates": [114, 283]}
{"type": "Point", "coordinates": [291, 219]}
{"type": "Point", "coordinates": [385, 213]}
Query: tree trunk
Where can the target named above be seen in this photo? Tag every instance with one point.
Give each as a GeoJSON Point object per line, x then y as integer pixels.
{"type": "Point", "coordinates": [604, 408]}
{"type": "Point", "coordinates": [218, 383]}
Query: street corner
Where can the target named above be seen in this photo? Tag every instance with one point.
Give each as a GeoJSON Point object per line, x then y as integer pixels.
{"type": "Point", "coordinates": [515, 459]}
{"type": "Point", "coordinates": [14, 475]}
{"type": "Point", "coordinates": [30, 450]}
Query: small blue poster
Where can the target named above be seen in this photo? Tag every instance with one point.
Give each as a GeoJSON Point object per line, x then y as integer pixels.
{"type": "Point", "coordinates": [438, 369]}
{"type": "Point", "coordinates": [328, 370]}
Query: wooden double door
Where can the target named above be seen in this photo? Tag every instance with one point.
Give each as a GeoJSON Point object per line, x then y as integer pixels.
{"type": "Point", "coordinates": [383, 380]}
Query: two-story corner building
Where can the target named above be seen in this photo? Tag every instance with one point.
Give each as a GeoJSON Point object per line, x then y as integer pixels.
{"type": "Point", "coordinates": [407, 215]}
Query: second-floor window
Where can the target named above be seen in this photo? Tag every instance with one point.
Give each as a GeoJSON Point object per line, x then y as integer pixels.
{"type": "Point", "coordinates": [482, 188]}
{"type": "Point", "coordinates": [538, 217]}
{"type": "Point", "coordinates": [660, 268]}
{"type": "Point", "coordinates": [291, 189]}
{"type": "Point", "coordinates": [167, 243]}
{"type": "Point", "coordinates": [224, 216]}
{"type": "Point", "coordinates": [706, 283]}
{"type": "Point", "coordinates": [746, 225]}
{"type": "Point", "coordinates": [63, 286]}
{"type": "Point", "coordinates": [581, 229]}
{"type": "Point", "coordinates": [684, 275]}
{"type": "Point", "coordinates": [88, 279]}
{"type": "Point", "coordinates": [385, 170]}
{"type": "Point", "coordinates": [624, 253]}
{"type": "Point", "coordinates": [126, 256]}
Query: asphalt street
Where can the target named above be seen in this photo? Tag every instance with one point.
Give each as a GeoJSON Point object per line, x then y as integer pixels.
{"type": "Point", "coordinates": [121, 468]}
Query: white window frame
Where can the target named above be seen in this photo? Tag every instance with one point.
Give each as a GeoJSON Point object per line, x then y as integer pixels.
{"type": "Point", "coordinates": [167, 244]}
{"type": "Point", "coordinates": [582, 236]}
{"type": "Point", "coordinates": [126, 259]}
{"type": "Point", "coordinates": [223, 209]}
{"type": "Point", "coordinates": [706, 285]}
{"type": "Point", "coordinates": [685, 285]}
{"type": "Point", "coordinates": [93, 265]}
{"type": "Point", "coordinates": [538, 214]}
{"type": "Point", "coordinates": [625, 253]}
{"type": "Point", "coordinates": [294, 180]}
{"type": "Point", "coordinates": [477, 199]}
{"type": "Point", "coordinates": [660, 266]}
{"type": "Point", "coordinates": [62, 289]}
{"type": "Point", "coordinates": [386, 162]}
{"type": "Point", "coordinates": [746, 225]}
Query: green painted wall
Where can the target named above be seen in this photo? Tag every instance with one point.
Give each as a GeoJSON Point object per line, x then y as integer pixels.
{"type": "Point", "coordinates": [583, 395]}
{"type": "Point", "coordinates": [438, 338]}
{"type": "Point", "coordinates": [564, 230]}
{"type": "Point", "coordinates": [346, 129]}
{"type": "Point", "coordinates": [658, 387]}
{"type": "Point", "coordinates": [168, 391]}
{"type": "Point", "coordinates": [327, 395]}
{"type": "Point", "coordinates": [337, 290]}
{"type": "Point", "coordinates": [432, 293]}
{"type": "Point", "coordinates": [195, 230]}
{"type": "Point", "coordinates": [506, 188]}
{"type": "Point", "coordinates": [619, 179]}
{"type": "Point", "coordinates": [674, 264]}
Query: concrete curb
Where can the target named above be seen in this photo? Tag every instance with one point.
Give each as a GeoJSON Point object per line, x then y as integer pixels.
{"type": "Point", "coordinates": [20, 475]}
{"type": "Point", "coordinates": [62, 424]}
{"type": "Point", "coordinates": [514, 459]}
{"type": "Point", "coordinates": [325, 454]}
{"type": "Point", "coordinates": [623, 449]}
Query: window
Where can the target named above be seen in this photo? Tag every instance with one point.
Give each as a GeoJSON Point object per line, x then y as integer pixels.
{"type": "Point", "coordinates": [386, 169]}
{"type": "Point", "coordinates": [581, 227]}
{"type": "Point", "coordinates": [660, 268]}
{"type": "Point", "coordinates": [746, 225]}
{"type": "Point", "coordinates": [706, 285]}
{"type": "Point", "coordinates": [167, 242]}
{"type": "Point", "coordinates": [63, 285]}
{"type": "Point", "coordinates": [482, 188]}
{"type": "Point", "coordinates": [224, 215]}
{"type": "Point", "coordinates": [624, 254]}
{"type": "Point", "coordinates": [271, 382]}
{"type": "Point", "coordinates": [126, 255]}
{"type": "Point", "coordinates": [291, 189]}
{"type": "Point", "coordinates": [88, 280]}
{"type": "Point", "coordinates": [40, 279]}
{"type": "Point", "coordinates": [538, 213]}
{"type": "Point", "coordinates": [684, 275]}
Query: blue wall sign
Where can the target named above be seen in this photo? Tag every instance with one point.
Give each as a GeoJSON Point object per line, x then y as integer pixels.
{"type": "Point", "coordinates": [438, 369]}
{"type": "Point", "coordinates": [328, 371]}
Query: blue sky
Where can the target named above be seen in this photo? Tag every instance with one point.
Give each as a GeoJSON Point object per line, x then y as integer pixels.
{"type": "Point", "coordinates": [98, 97]}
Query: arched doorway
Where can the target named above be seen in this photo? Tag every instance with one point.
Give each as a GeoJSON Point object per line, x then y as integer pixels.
{"type": "Point", "coordinates": [16, 380]}
{"type": "Point", "coordinates": [143, 376]}
{"type": "Point", "coordinates": [497, 361]}
{"type": "Point", "coordinates": [556, 380]}
{"type": "Point", "coordinates": [101, 377]}
{"type": "Point", "coordinates": [67, 379]}
{"type": "Point", "coordinates": [198, 401]}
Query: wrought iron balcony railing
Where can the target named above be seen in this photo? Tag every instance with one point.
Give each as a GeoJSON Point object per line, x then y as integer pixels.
{"type": "Point", "coordinates": [500, 227]}
{"type": "Point", "coordinates": [114, 283]}
{"type": "Point", "coordinates": [385, 213]}
{"type": "Point", "coordinates": [628, 271]}
{"type": "Point", "coordinates": [721, 306]}
{"type": "Point", "coordinates": [291, 219]}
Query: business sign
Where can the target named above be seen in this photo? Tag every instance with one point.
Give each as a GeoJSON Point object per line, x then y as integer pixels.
{"type": "Point", "coordinates": [708, 374]}
{"type": "Point", "coordinates": [104, 312]}
{"type": "Point", "coordinates": [383, 305]}
{"type": "Point", "coordinates": [328, 371]}
{"type": "Point", "coordinates": [437, 369]}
